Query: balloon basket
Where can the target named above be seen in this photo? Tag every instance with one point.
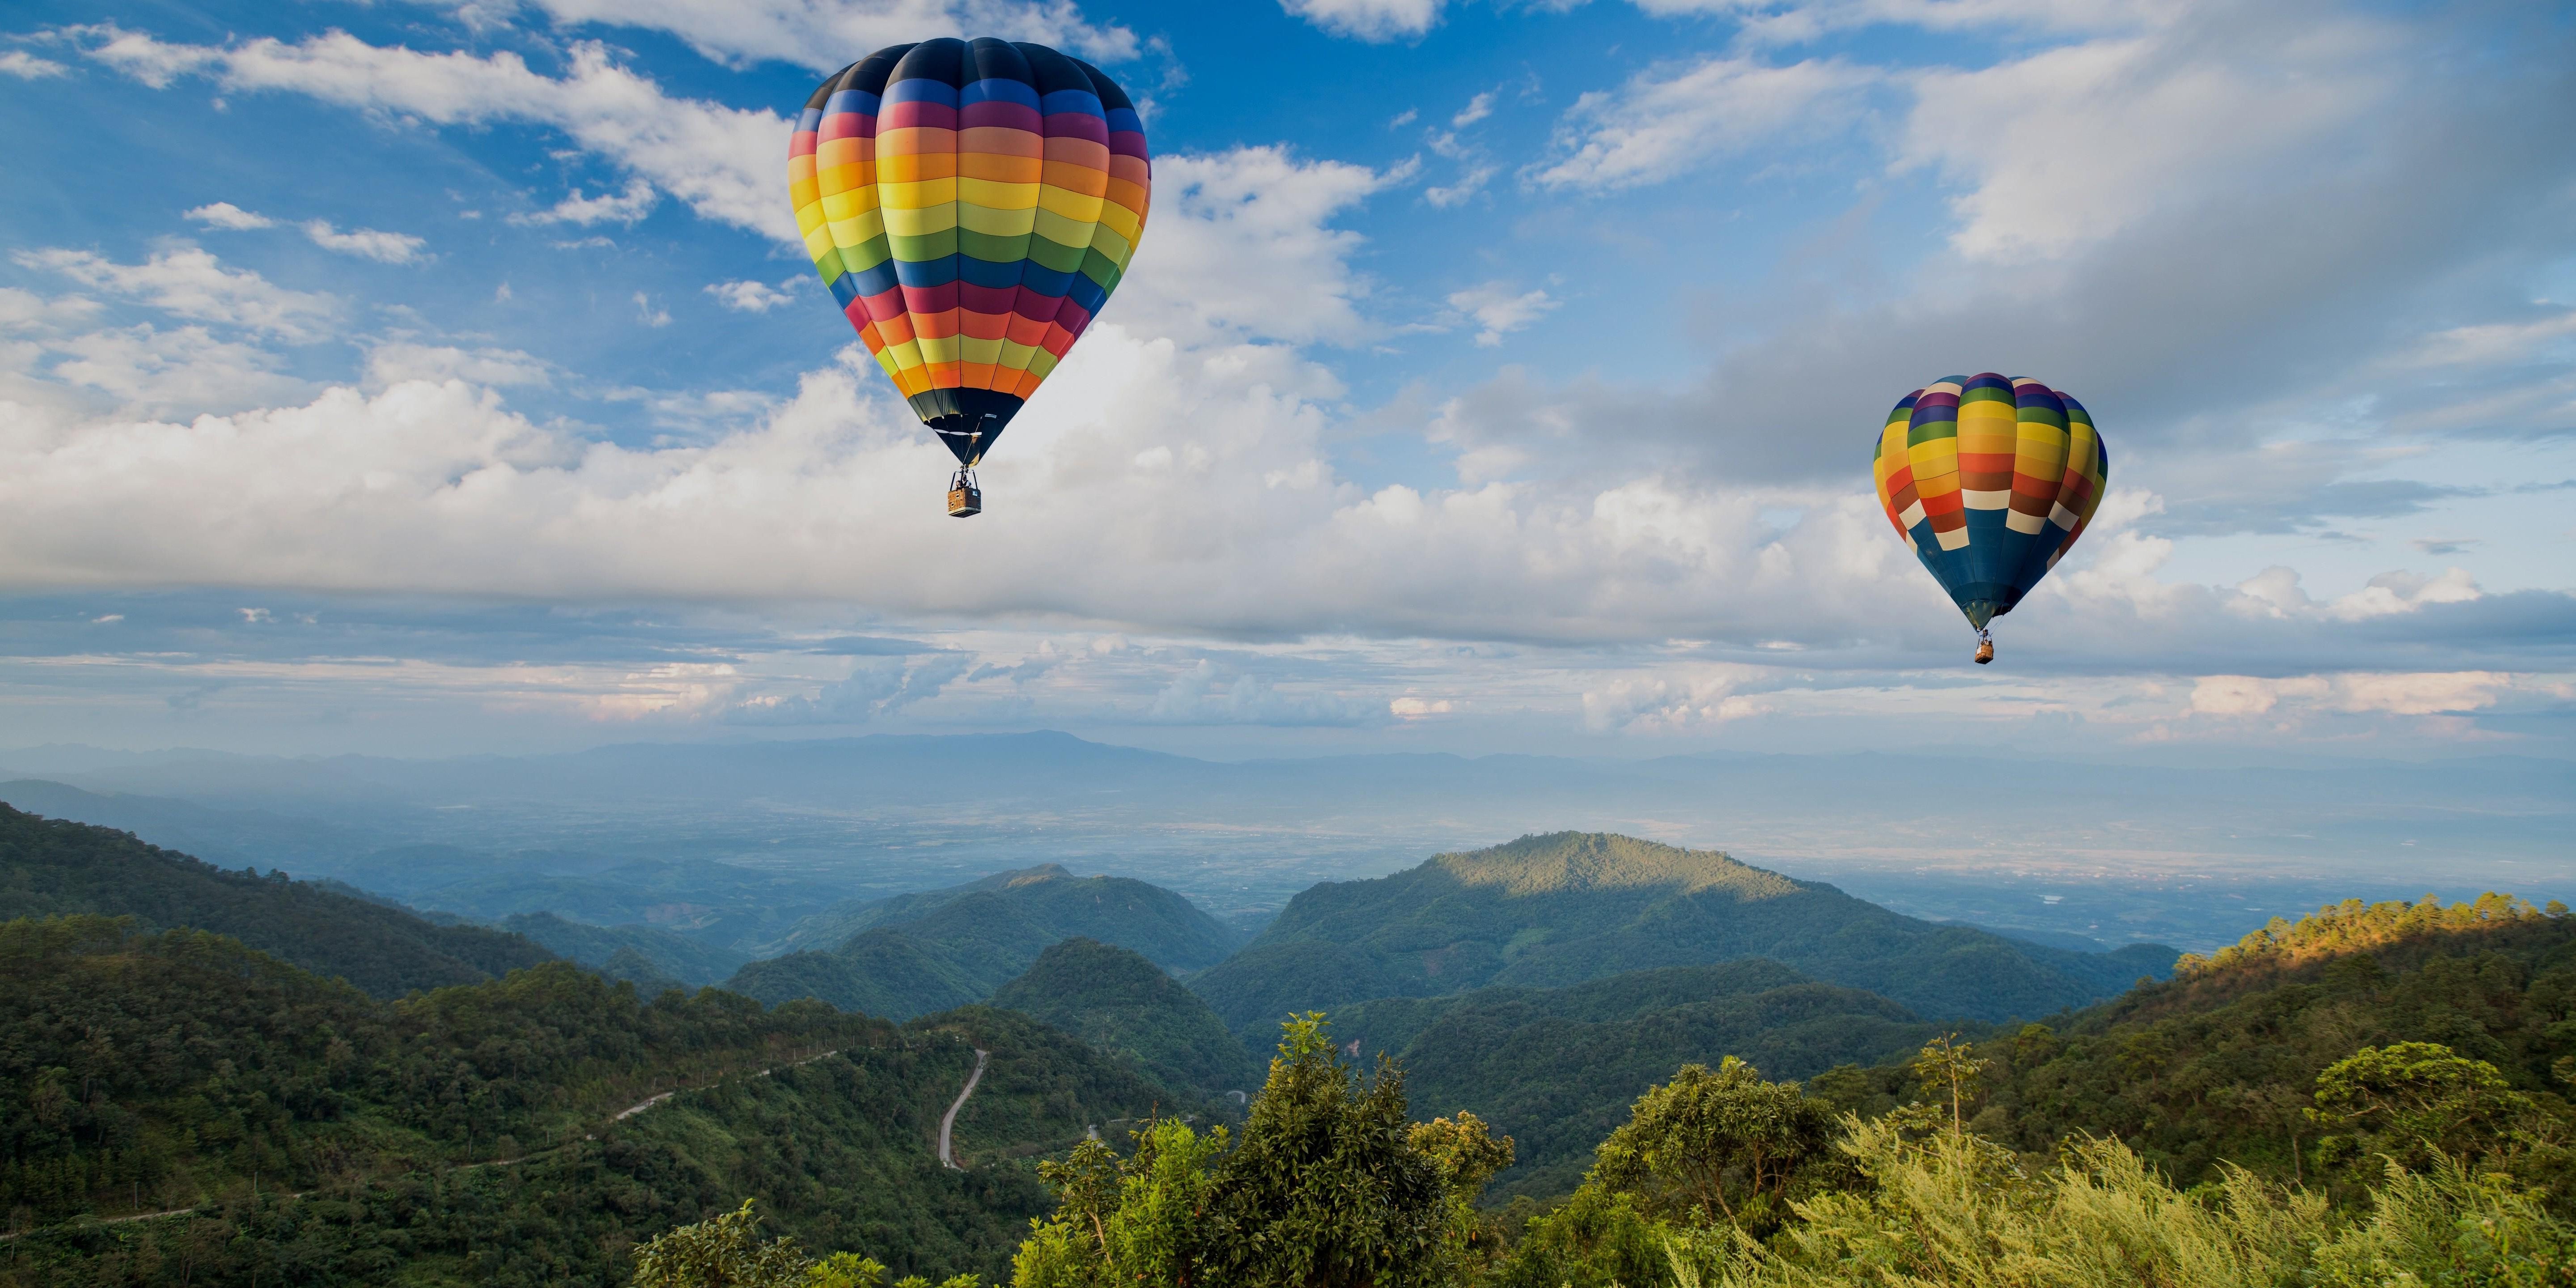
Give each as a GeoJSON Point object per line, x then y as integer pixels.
{"type": "Point", "coordinates": [1985, 651]}
{"type": "Point", "coordinates": [964, 497]}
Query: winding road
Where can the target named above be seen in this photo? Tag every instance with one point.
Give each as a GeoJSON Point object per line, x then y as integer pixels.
{"type": "Point", "coordinates": [948, 1123]}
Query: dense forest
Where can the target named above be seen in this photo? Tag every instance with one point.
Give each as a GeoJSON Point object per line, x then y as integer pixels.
{"type": "Point", "coordinates": [1548, 911]}
{"type": "Point", "coordinates": [49, 867]}
{"type": "Point", "coordinates": [295, 1130]}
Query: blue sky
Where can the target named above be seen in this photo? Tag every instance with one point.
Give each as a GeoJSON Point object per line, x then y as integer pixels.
{"type": "Point", "coordinates": [428, 376]}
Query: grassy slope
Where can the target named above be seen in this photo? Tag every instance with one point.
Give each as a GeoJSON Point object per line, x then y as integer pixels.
{"type": "Point", "coordinates": [1564, 908]}
{"type": "Point", "coordinates": [49, 867]}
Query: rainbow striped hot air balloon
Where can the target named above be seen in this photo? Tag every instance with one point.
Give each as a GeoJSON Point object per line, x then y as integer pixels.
{"type": "Point", "coordinates": [1990, 480]}
{"type": "Point", "coordinates": [971, 203]}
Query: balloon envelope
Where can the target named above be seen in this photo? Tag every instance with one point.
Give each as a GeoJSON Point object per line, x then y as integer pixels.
{"type": "Point", "coordinates": [971, 204]}
{"type": "Point", "coordinates": [1990, 480]}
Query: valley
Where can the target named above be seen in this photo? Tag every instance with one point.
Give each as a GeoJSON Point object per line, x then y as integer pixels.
{"type": "Point", "coordinates": [245, 1073]}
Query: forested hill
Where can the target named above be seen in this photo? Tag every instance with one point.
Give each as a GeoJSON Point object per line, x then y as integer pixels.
{"type": "Point", "coordinates": [1567, 907]}
{"type": "Point", "coordinates": [1557, 1068]}
{"type": "Point", "coordinates": [1119, 1002]}
{"type": "Point", "coordinates": [943, 948]}
{"type": "Point", "coordinates": [2221, 1063]}
{"type": "Point", "coordinates": [51, 867]}
{"type": "Point", "coordinates": [513, 1132]}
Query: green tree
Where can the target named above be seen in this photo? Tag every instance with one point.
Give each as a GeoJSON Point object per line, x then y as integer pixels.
{"type": "Point", "coordinates": [1716, 1146]}
{"type": "Point", "coordinates": [1949, 1069]}
{"type": "Point", "coordinates": [2410, 1097]}
{"type": "Point", "coordinates": [723, 1252]}
{"type": "Point", "coordinates": [1468, 1154]}
{"type": "Point", "coordinates": [1326, 1188]}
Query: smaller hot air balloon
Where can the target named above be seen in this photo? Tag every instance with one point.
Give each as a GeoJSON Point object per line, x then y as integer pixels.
{"type": "Point", "coordinates": [1990, 479]}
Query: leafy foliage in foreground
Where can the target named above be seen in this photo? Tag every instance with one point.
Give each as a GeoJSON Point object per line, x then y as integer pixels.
{"type": "Point", "coordinates": [1548, 911]}
{"type": "Point", "coordinates": [49, 867]}
{"type": "Point", "coordinates": [1118, 1002]}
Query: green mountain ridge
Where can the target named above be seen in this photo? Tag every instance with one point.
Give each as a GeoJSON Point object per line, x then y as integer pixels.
{"type": "Point", "coordinates": [1118, 1002]}
{"type": "Point", "coordinates": [670, 954]}
{"type": "Point", "coordinates": [939, 949]}
{"type": "Point", "coordinates": [1566, 907]}
{"type": "Point", "coordinates": [51, 868]}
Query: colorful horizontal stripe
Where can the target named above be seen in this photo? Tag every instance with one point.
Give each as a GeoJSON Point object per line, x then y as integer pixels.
{"type": "Point", "coordinates": [971, 205]}
{"type": "Point", "coordinates": [1990, 480]}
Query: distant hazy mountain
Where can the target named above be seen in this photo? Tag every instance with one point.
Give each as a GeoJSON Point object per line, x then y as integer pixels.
{"type": "Point", "coordinates": [1557, 1068]}
{"type": "Point", "coordinates": [667, 954]}
{"type": "Point", "coordinates": [1567, 907]}
{"type": "Point", "coordinates": [50, 867]}
{"type": "Point", "coordinates": [1115, 1000]}
{"type": "Point", "coordinates": [926, 952]}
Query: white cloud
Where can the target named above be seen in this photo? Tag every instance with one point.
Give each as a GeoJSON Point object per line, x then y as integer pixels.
{"type": "Point", "coordinates": [26, 66]}
{"type": "Point", "coordinates": [1209, 694]}
{"type": "Point", "coordinates": [752, 297]}
{"type": "Point", "coordinates": [2398, 693]}
{"type": "Point", "coordinates": [394, 362]}
{"type": "Point", "coordinates": [1666, 121]}
{"type": "Point", "coordinates": [648, 314]}
{"type": "Point", "coordinates": [1496, 310]}
{"type": "Point", "coordinates": [1241, 245]}
{"type": "Point", "coordinates": [1795, 21]}
{"type": "Point", "coordinates": [224, 214]}
{"type": "Point", "coordinates": [821, 34]}
{"type": "Point", "coordinates": [2075, 143]}
{"type": "Point", "coordinates": [188, 282]}
{"type": "Point", "coordinates": [1477, 109]}
{"type": "Point", "coordinates": [1368, 19]}
{"type": "Point", "coordinates": [1469, 183]}
{"type": "Point", "coordinates": [146, 369]}
{"type": "Point", "coordinates": [722, 161]}
{"type": "Point", "coordinates": [628, 207]}
{"type": "Point", "coordinates": [366, 243]}
{"type": "Point", "coordinates": [1679, 700]}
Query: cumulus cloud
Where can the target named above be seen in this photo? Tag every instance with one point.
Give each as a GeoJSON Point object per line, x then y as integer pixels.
{"type": "Point", "coordinates": [1668, 120]}
{"type": "Point", "coordinates": [188, 282]}
{"type": "Point", "coordinates": [224, 214]}
{"type": "Point", "coordinates": [26, 66]}
{"type": "Point", "coordinates": [721, 161]}
{"type": "Point", "coordinates": [815, 35]}
{"type": "Point", "coordinates": [395, 362]}
{"type": "Point", "coordinates": [185, 368]}
{"type": "Point", "coordinates": [2416, 694]}
{"type": "Point", "coordinates": [752, 297]}
{"type": "Point", "coordinates": [628, 207]}
{"type": "Point", "coordinates": [1242, 246]}
{"type": "Point", "coordinates": [1368, 19]}
{"type": "Point", "coordinates": [365, 243]}
{"type": "Point", "coordinates": [1496, 310]}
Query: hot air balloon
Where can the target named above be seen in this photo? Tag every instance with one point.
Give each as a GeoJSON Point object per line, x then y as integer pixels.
{"type": "Point", "coordinates": [1990, 480]}
{"type": "Point", "coordinates": [971, 203]}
